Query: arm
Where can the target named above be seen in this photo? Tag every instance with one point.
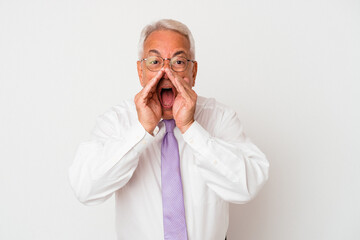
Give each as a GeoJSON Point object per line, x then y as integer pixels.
{"type": "Point", "coordinates": [107, 162]}
{"type": "Point", "coordinates": [231, 165]}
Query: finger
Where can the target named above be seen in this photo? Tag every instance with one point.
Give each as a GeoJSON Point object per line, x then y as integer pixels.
{"type": "Point", "coordinates": [156, 99]}
{"type": "Point", "coordinates": [154, 81]}
{"type": "Point", "coordinates": [154, 102]}
{"type": "Point", "coordinates": [183, 80]}
{"type": "Point", "coordinates": [175, 79]}
{"type": "Point", "coordinates": [181, 85]}
{"type": "Point", "coordinates": [187, 93]}
{"type": "Point", "coordinates": [171, 77]}
{"type": "Point", "coordinates": [151, 85]}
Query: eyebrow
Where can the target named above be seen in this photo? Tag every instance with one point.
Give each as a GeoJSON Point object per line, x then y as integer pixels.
{"type": "Point", "coordinates": [178, 53]}
{"type": "Point", "coordinates": [154, 51]}
{"type": "Point", "coordinates": [175, 54]}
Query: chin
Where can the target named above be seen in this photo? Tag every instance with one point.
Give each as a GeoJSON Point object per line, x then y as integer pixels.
{"type": "Point", "coordinates": [167, 114]}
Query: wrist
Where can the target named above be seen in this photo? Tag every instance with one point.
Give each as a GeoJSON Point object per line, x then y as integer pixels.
{"type": "Point", "coordinates": [185, 127]}
{"type": "Point", "coordinates": [150, 130]}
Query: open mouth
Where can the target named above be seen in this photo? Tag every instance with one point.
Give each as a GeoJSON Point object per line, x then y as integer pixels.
{"type": "Point", "coordinates": [167, 97]}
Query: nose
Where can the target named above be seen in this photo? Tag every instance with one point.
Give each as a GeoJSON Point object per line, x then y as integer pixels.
{"type": "Point", "coordinates": [165, 76]}
{"type": "Point", "coordinates": [167, 63]}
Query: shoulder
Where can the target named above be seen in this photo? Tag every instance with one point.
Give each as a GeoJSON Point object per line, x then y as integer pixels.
{"type": "Point", "coordinates": [125, 107]}
{"type": "Point", "coordinates": [210, 106]}
{"type": "Point", "coordinates": [212, 114]}
{"type": "Point", "coordinates": [124, 113]}
{"type": "Point", "coordinates": [115, 121]}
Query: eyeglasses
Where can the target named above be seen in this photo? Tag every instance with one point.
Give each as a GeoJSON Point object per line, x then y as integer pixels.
{"type": "Point", "coordinates": [177, 63]}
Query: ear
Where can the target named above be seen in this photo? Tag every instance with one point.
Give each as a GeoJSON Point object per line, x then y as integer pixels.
{"type": "Point", "coordinates": [140, 73]}
{"type": "Point", "coordinates": [194, 73]}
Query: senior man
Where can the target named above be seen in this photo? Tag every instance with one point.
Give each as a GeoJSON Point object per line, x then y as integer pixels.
{"type": "Point", "coordinates": [174, 160]}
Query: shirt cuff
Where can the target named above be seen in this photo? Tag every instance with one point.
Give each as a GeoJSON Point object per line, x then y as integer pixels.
{"type": "Point", "coordinates": [197, 137]}
{"type": "Point", "coordinates": [142, 137]}
{"type": "Point", "coordinates": [203, 144]}
{"type": "Point", "coordinates": [136, 141]}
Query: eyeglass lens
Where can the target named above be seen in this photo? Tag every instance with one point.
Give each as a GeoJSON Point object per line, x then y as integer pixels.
{"type": "Point", "coordinates": [155, 63]}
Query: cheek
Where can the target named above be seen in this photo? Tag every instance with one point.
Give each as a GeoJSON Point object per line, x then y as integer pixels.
{"type": "Point", "coordinates": [147, 76]}
{"type": "Point", "coordinates": [188, 78]}
{"type": "Point", "coordinates": [190, 74]}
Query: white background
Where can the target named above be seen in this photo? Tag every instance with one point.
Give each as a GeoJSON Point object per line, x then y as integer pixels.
{"type": "Point", "coordinates": [291, 69]}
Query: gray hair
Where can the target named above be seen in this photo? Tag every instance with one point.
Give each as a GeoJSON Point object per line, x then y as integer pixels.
{"type": "Point", "coordinates": [166, 24]}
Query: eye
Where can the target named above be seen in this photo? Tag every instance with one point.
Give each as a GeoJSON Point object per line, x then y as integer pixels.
{"type": "Point", "coordinates": [152, 61]}
{"type": "Point", "coordinates": [179, 62]}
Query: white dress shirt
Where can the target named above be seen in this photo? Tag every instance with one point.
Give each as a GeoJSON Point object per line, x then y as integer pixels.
{"type": "Point", "coordinates": [219, 164]}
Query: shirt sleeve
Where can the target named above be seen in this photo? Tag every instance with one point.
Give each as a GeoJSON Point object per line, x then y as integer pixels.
{"type": "Point", "coordinates": [231, 165]}
{"type": "Point", "coordinates": [107, 162]}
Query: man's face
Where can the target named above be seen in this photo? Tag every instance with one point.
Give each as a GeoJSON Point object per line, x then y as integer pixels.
{"type": "Point", "coordinates": [166, 44]}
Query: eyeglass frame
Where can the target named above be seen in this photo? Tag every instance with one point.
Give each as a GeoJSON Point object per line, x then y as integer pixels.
{"type": "Point", "coordinates": [188, 60]}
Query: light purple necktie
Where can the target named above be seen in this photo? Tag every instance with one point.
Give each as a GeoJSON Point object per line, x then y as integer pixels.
{"type": "Point", "coordinates": [172, 192]}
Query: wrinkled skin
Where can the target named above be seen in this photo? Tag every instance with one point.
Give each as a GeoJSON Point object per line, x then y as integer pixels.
{"type": "Point", "coordinates": [150, 110]}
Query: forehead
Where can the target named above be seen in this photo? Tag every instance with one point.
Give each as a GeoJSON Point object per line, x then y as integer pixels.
{"type": "Point", "coordinates": [166, 42]}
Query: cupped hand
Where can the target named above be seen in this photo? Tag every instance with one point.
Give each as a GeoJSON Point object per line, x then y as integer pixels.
{"type": "Point", "coordinates": [185, 102]}
{"type": "Point", "coordinates": [148, 106]}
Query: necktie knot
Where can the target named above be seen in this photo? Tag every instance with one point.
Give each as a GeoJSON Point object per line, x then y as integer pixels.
{"type": "Point", "coordinates": [169, 124]}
